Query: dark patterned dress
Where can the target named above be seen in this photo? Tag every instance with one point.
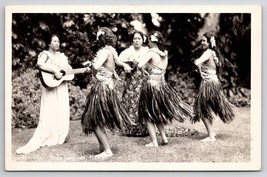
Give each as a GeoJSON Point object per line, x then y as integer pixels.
{"type": "Point", "coordinates": [132, 86]}
{"type": "Point", "coordinates": [103, 107]}
{"type": "Point", "coordinates": [211, 98]}
{"type": "Point", "coordinates": [159, 102]}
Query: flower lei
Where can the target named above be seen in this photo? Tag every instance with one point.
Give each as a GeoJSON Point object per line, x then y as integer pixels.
{"type": "Point", "coordinates": [216, 59]}
{"type": "Point", "coordinates": [159, 52]}
{"type": "Point", "coordinates": [213, 44]}
{"type": "Point", "coordinates": [112, 49]}
{"type": "Point", "coordinates": [114, 53]}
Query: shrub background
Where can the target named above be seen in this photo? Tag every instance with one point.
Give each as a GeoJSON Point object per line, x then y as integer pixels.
{"type": "Point", "coordinates": [31, 32]}
{"type": "Point", "coordinates": [26, 97]}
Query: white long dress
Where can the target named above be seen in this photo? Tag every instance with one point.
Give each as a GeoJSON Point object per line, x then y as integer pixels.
{"type": "Point", "coordinates": [53, 126]}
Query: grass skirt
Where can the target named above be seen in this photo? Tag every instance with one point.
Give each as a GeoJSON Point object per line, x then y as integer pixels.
{"type": "Point", "coordinates": [160, 103]}
{"type": "Point", "coordinates": [212, 99]}
{"type": "Point", "coordinates": [104, 109]}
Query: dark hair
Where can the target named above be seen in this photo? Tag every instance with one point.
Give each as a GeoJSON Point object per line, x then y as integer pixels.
{"type": "Point", "coordinates": [140, 33]}
{"type": "Point", "coordinates": [107, 38]}
{"type": "Point", "coordinates": [220, 64]}
{"type": "Point", "coordinates": [161, 40]}
{"type": "Point", "coordinates": [48, 38]}
{"type": "Point", "coordinates": [53, 35]}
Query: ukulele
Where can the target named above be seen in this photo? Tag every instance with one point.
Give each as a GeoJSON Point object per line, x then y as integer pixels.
{"type": "Point", "coordinates": [48, 79]}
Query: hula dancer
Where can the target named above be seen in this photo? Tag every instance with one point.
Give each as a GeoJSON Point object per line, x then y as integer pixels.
{"type": "Point", "coordinates": [159, 103]}
{"type": "Point", "coordinates": [103, 109]}
{"type": "Point", "coordinates": [211, 97]}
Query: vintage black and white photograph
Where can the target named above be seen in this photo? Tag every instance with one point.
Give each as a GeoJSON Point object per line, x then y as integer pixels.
{"type": "Point", "coordinates": [133, 88]}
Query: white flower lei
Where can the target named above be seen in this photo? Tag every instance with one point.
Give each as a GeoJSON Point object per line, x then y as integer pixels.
{"type": "Point", "coordinates": [114, 53]}
{"type": "Point", "coordinates": [216, 59]}
{"type": "Point", "coordinates": [112, 49]}
{"type": "Point", "coordinates": [159, 52]}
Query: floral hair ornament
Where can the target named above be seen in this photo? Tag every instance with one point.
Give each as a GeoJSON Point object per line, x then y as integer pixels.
{"type": "Point", "coordinates": [212, 41]}
{"type": "Point", "coordinates": [154, 37]}
{"type": "Point", "coordinates": [144, 38]}
{"type": "Point", "coordinates": [99, 33]}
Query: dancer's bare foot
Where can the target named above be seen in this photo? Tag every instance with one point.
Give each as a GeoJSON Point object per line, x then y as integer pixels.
{"type": "Point", "coordinates": [151, 145]}
{"type": "Point", "coordinates": [104, 155]}
{"type": "Point", "coordinates": [164, 143]}
{"type": "Point", "coordinates": [209, 139]}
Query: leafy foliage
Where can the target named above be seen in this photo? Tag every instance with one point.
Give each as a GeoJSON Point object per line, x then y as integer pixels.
{"type": "Point", "coordinates": [26, 97]}
{"type": "Point", "coordinates": [31, 33]}
{"type": "Point", "coordinates": [235, 44]}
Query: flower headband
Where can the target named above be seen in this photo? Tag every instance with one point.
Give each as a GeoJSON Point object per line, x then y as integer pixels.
{"type": "Point", "coordinates": [212, 42]}
{"type": "Point", "coordinates": [154, 37]}
{"type": "Point", "coordinates": [99, 33]}
{"type": "Point", "coordinates": [144, 38]}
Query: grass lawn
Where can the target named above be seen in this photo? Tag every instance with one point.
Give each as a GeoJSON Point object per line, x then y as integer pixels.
{"type": "Point", "coordinates": [232, 145]}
